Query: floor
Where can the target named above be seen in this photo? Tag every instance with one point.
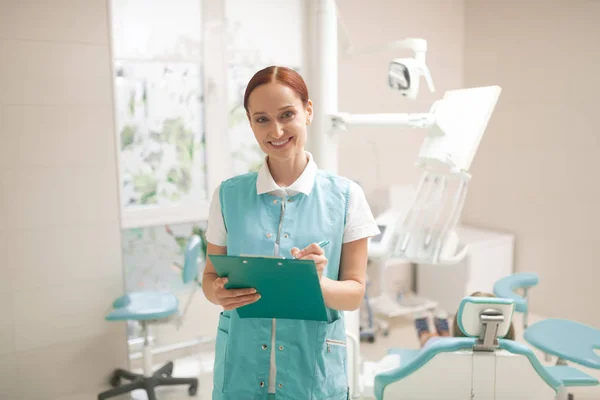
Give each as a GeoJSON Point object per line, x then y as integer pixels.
{"type": "Point", "coordinates": [402, 334]}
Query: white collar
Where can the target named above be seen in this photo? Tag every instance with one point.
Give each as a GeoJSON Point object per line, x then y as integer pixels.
{"type": "Point", "coordinates": [304, 184]}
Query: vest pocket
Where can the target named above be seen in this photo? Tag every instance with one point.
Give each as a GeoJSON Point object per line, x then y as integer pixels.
{"type": "Point", "coordinates": [333, 343]}
{"type": "Point", "coordinates": [221, 352]}
{"type": "Point", "coordinates": [335, 377]}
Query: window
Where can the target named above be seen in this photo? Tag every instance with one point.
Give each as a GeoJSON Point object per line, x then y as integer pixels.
{"type": "Point", "coordinates": [159, 106]}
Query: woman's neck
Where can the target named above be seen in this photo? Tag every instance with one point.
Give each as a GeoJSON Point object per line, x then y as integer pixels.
{"type": "Point", "coordinates": [285, 172]}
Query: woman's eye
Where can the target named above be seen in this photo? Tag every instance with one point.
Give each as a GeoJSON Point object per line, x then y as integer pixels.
{"type": "Point", "coordinates": [288, 114]}
{"type": "Point", "coordinates": [260, 120]}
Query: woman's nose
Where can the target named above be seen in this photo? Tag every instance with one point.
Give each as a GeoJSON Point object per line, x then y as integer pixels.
{"type": "Point", "coordinates": [278, 130]}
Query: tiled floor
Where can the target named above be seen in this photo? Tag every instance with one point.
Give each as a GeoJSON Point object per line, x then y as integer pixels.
{"type": "Point", "coordinates": [402, 335]}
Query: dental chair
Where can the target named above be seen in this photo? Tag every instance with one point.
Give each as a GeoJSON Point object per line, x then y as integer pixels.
{"type": "Point", "coordinates": [568, 341]}
{"type": "Point", "coordinates": [481, 365]}
{"type": "Point", "coordinates": [153, 308]}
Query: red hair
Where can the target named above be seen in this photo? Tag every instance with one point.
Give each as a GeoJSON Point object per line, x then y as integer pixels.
{"type": "Point", "coordinates": [283, 75]}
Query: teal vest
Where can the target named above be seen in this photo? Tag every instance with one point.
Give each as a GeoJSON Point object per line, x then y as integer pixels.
{"type": "Point", "coordinates": [310, 355]}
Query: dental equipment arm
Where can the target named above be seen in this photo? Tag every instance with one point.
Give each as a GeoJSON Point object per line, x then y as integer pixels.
{"type": "Point", "coordinates": [343, 120]}
{"type": "Point", "coordinates": [455, 125]}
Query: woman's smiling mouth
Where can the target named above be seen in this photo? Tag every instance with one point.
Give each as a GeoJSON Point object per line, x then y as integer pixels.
{"type": "Point", "coordinates": [279, 144]}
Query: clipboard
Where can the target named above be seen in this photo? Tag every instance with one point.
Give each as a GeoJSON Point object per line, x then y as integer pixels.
{"type": "Point", "coordinates": [289, 288]}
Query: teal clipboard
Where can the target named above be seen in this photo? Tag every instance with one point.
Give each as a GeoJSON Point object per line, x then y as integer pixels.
{"type": "Point", "coordinates": [289, 288]}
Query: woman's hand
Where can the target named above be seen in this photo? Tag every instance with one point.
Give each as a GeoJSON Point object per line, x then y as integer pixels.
{"type": "Point", "coordinates": [233, 298]}
{"type": "Point", "coordinates": [313, 252]}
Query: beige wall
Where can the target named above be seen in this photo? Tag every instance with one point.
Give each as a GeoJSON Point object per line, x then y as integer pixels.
{"type": "Point", "coordinates": [380, 157]}
{"type": "Point", "coordinates": [60, 255]}
{"type": "Point", "coordinates": [537, 170]}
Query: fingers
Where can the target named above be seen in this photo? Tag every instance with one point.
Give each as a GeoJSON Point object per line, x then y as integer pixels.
{"type": "Point", "coordinates": [313, 248]}
{"type": "Point", "coordinates": [295, 252]}
{"type": "Point", "coordinates": [233, 298]}
{"type": "Point", "coordinates": [219, 285]}
{"type": "Point", "coordinates": [236, 302]}
{"type": "Point", "coordinates": [316, 258]}
{"type": "Point", "coordinates": [231, 293]}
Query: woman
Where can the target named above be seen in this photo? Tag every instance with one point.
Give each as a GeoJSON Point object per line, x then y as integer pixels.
{"type": "Point", "coordinates": [287, 206]}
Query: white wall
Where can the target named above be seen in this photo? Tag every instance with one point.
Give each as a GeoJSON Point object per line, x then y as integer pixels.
{"type": "Point", "coordinates": [537, 170]}
{"type": "Point", "coordinates": [60, 254]}
{"type": "Point", "coordinates": [380, 157]}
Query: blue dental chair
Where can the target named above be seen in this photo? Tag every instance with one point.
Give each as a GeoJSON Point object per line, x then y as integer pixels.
{"type": "Point", "coordinates": [482, 365]}
{"type": "Point", "coordinates": [568, 341]}
{"type": "Point", "coordinates": [150, 308]}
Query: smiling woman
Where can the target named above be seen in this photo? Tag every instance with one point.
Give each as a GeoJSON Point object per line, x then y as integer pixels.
{"type": "Point", "coordinates": [284, 210]}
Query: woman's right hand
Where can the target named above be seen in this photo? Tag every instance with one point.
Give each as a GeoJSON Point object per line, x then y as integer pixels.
{"type": "Point", "coordinates": [230, 299]}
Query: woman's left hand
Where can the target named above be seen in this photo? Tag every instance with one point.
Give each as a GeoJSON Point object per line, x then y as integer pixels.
{"type": "Point", "coordinates": [312, 252]}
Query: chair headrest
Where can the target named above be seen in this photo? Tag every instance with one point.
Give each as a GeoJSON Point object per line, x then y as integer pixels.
{"type": "Point", "coordinates": [469, 313]}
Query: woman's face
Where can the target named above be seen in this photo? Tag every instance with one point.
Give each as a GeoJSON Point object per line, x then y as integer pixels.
{"type": "Point", "coordinates": [278, 119]}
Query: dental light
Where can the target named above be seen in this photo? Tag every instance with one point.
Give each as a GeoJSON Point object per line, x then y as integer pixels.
{"type": "Point", "coordinates": [404, 74]}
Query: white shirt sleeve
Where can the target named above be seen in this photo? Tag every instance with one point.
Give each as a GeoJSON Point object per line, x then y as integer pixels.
{"type": "Point", "coordinates": [360, 222]}
{"type": "Point", "coordinates": [215, 230]}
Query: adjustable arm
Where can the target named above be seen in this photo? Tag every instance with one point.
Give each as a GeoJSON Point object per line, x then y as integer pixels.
{"type": "Point", "coordinates": [344, 120]}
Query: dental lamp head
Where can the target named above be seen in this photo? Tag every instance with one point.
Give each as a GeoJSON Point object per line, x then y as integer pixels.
{"type": "Point", "coordinates": [404, 74]}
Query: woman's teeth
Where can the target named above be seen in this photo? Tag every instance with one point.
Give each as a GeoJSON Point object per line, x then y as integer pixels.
{"type": "Point", "coordinates": [281, 142]}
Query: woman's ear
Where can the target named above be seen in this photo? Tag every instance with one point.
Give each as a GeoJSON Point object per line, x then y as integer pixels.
{"type": "Point", "coordinates": [309, 112]}
{"type": "Point", "coordinates": [249, 119]}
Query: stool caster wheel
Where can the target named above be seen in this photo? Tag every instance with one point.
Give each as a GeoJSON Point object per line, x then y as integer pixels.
{"type": "Point", "coordinates": [115, 380]}
{"type": "Point", "coordinates": [193, 390]}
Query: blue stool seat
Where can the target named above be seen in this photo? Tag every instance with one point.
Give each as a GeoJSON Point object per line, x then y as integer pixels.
{"type": "Point", "coordinates": [569, 340]}
{"type": "Point", "coordinates": [406, 355]}
{"type": "Point", "coordinates": [505, 288]}
{"type": "Point", "coordinates": [143, 306]}
{"type": "Point", "coordinates": [570, 376]}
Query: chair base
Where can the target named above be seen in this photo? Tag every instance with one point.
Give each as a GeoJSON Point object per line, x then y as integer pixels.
{"type": "Point", "coordinates": [162, 377]}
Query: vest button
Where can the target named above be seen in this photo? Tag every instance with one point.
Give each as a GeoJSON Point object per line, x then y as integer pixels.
{"type": "Point", "coordinates": [264, 346]}
{"type": "Point", "coordinates": [262, 384]}
{"type": "Point", "coordinates": [275, 201]}
{"type": "Point", "coordinates": [280, 385]}
{"type": "Point", "coordinates": [280, 348]}
{"type": "Point", "coordinates": [286, 236]}
{"type": "Point", "coordinates": [268, 235]}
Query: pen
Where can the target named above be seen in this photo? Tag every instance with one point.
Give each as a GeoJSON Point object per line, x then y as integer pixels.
{"type": "Point", "coordinates": [323, 243]}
